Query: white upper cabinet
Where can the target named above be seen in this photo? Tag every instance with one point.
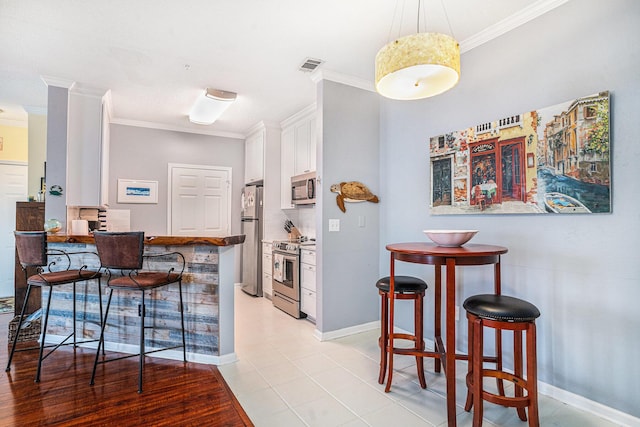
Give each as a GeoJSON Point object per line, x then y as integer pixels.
{"type": "Point", "coordinates": [305, 146]}
{"type": "Point", "coordinates": [298, 150]}
{"type": "Point", "coordinates": [87, 149]}
{"type": "Point", "coordinates": [254, 157]}
{"type": "Point", "coordinates": [287, 142]}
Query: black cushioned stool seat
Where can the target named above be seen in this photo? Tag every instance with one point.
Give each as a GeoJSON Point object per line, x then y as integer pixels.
{"type": "Point", "coordinates": [405, 288]}
{"type": "Point", "coordinates": [502, 312]}
{"type": "Point", "coordinates": [403, 284]}
{"type": "Point", "coordinates": [501, 307]}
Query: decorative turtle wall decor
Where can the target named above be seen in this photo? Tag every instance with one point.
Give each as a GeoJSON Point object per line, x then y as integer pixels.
{"type": "Point", "coordinates": [352, 191]}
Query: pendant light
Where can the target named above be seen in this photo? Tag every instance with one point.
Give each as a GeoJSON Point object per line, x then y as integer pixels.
{"type": "Point", "coordinates": [418, 66]}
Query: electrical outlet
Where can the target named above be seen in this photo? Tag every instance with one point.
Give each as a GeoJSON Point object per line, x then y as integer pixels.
{"type": "Point", "coordinates": [361, 221]}
{"type": "Point", "coordinates": [334, 225]}
{"type": "Point", "coordinates": [457, 313]}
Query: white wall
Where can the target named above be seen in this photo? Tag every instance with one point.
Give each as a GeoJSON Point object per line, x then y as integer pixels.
{"type": "Point", "coordinates": [581, 271]}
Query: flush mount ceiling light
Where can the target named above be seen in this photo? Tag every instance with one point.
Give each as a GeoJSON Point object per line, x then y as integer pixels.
{"type": "Point", "coordinates": [210, 105]}
{"type": "Point", "coordinates": [418, 66]}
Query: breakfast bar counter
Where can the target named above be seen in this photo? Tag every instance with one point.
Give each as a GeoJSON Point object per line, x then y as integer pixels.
{"type": "Point", "coordinates": [208, 282]}
{"type": "Point", "coordinates": [157, 240]}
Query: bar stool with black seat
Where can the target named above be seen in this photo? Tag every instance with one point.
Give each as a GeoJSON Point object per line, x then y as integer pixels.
{"type": "Point", "coordinates": [502, 312]}
{"type": "Point", "coordinates": [405, 288]}
{"type": "Point", "coordinates": [122, 256]}
{"type": "Point", "coordinates": [53, 269]}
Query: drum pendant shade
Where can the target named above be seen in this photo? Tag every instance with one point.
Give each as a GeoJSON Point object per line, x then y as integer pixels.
{"type": "Point", "coordinates": [418, 66]}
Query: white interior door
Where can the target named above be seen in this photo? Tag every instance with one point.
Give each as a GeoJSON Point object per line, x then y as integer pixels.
{"type": "Point", "coordinates": [200, 200]}
{"type": "Point", "coordinates": [13, 188]}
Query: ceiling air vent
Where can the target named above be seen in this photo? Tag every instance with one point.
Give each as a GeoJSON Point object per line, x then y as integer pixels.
{"type": "Point", "coordinates": [310, 64]}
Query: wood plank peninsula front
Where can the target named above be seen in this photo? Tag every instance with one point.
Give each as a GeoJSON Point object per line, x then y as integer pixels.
{"type": "Point", "coordinates": [208, 283]}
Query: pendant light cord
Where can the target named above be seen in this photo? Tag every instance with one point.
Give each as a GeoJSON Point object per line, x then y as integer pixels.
{"type": "Point", "coordinates": [446, 15]}
{"type": "Point", "coordinates": [424, 18]}
{"type": "Point", "coordinates": [395, 16]}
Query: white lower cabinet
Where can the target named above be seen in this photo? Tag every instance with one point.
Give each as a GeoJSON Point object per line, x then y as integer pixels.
{"type": "Point", "coordinates": [308, 303]}
{"type": "Point", "coordinates": [267, 265]}
{"type": "Point", "coordinates": [308, 283]}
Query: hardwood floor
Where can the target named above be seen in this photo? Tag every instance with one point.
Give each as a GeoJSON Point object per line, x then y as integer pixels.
{"type": "Point", "coordinates": [176, 394]}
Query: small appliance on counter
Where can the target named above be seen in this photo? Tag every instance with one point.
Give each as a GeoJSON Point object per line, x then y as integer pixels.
{"type": "Point", "coordinates": [79, 227]}
{"type": "Point", "coordinates": [83, 220]}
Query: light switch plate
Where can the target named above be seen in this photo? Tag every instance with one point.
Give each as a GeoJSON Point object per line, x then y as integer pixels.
{"type": "Point", "coordinates": [334, 225]}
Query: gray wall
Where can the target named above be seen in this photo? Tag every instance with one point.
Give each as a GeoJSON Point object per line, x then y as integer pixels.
{"type": "Point", "coordinates": [57, 121]}
{"type": "Point", "coordinates": [348, 151]}
{"type": "Point", "coordinates": [143, 153]}
{"type": "Point", "coordinates": [581, 271]}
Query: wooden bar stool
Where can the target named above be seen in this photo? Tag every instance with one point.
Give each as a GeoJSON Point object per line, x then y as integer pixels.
{"type": "Point", "coordinates": [53, 269]}
{"type": "Point", "coordinates": [405, 288]}
{"type": "Point", "coordinates": [122, 255]}
{"type": "Point", "coordinates": [502, 313]}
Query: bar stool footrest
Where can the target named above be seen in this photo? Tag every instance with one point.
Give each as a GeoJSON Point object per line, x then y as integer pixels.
{"type": "Point", "coordinates": [506, 401]}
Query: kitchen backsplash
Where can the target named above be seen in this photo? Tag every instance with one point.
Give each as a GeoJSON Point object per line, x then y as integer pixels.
{"type": "Point", "coordinates": [306, 221]}
{"type": "Point", "coordinates": [303, 218]}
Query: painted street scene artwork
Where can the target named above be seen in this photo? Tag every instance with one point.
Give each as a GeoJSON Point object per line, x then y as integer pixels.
{"type": "Point", "coordinates": [552, 160]}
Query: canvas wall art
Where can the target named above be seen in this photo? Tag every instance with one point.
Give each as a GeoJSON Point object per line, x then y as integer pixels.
{"type": "Point", "coordinates": [551, 160]}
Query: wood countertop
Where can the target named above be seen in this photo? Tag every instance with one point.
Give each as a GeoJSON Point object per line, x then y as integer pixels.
{"type": "Point", "coordinates": [157, 240]}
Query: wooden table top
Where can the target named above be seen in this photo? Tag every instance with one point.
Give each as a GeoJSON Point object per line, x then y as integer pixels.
{"type": "Point", "coordinates": [428, 248]}
{"type": "Point", "coordinates": [157, 240]}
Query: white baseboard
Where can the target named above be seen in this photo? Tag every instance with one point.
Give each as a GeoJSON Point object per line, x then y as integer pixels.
{"type": "Point", "coordinates": [611, 414]}
{"type": "Point", "coordinates": [352, 330]}
{"type": "Point", "coordinates": [166, 354]}
{"type": "Point", "coordinates": [587, 405]}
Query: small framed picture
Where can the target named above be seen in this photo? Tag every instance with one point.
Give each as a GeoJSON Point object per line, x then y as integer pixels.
{"type": "Point", "coordinates": [137, 191]}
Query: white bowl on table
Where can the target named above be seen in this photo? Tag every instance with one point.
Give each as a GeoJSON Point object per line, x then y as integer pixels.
{"type": "Point", "coordinates": [450, 238]}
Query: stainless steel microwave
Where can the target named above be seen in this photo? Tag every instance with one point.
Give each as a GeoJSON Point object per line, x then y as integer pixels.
{"type": "Point", "coordinates": [303, 189]}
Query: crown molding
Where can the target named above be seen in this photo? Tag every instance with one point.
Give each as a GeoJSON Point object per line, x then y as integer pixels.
{"type": "Point", "coordinates": [32, 109]}
{"type": "Point", "coordinates": [14, 122]}
{"type": "Point", "coordinates": [94, 92]}
{"type": "Point", "coordinates": [308, 110]}
{"type": "Point", "coordinates": [346, 79]}
{"type": "Point", "coordinates": [262, 125]}
{"type": "Point", "coordinates": [512, 22]}
{"type": "Point", "coordinates": [58, 82]}
{"type": "Point", "coordinates": [160, 126]}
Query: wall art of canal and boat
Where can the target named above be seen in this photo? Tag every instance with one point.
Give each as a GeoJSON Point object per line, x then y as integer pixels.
{"type": "Point", "coordinates": [551, 160]}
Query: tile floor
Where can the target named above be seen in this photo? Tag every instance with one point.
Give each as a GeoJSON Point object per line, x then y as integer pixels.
{"type": "Point", "coordinates": [285, 378]}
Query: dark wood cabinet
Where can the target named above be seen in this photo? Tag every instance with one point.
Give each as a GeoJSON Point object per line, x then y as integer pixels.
{"type": "Point", "coordinates": [29, 217]}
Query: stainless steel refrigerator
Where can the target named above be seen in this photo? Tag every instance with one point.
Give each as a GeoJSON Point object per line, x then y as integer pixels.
{"type": "Point", "coordinates": [252, 247]}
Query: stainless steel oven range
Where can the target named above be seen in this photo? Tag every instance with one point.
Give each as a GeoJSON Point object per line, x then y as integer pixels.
{"type": "Point", "coordinates": [286, 277]}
